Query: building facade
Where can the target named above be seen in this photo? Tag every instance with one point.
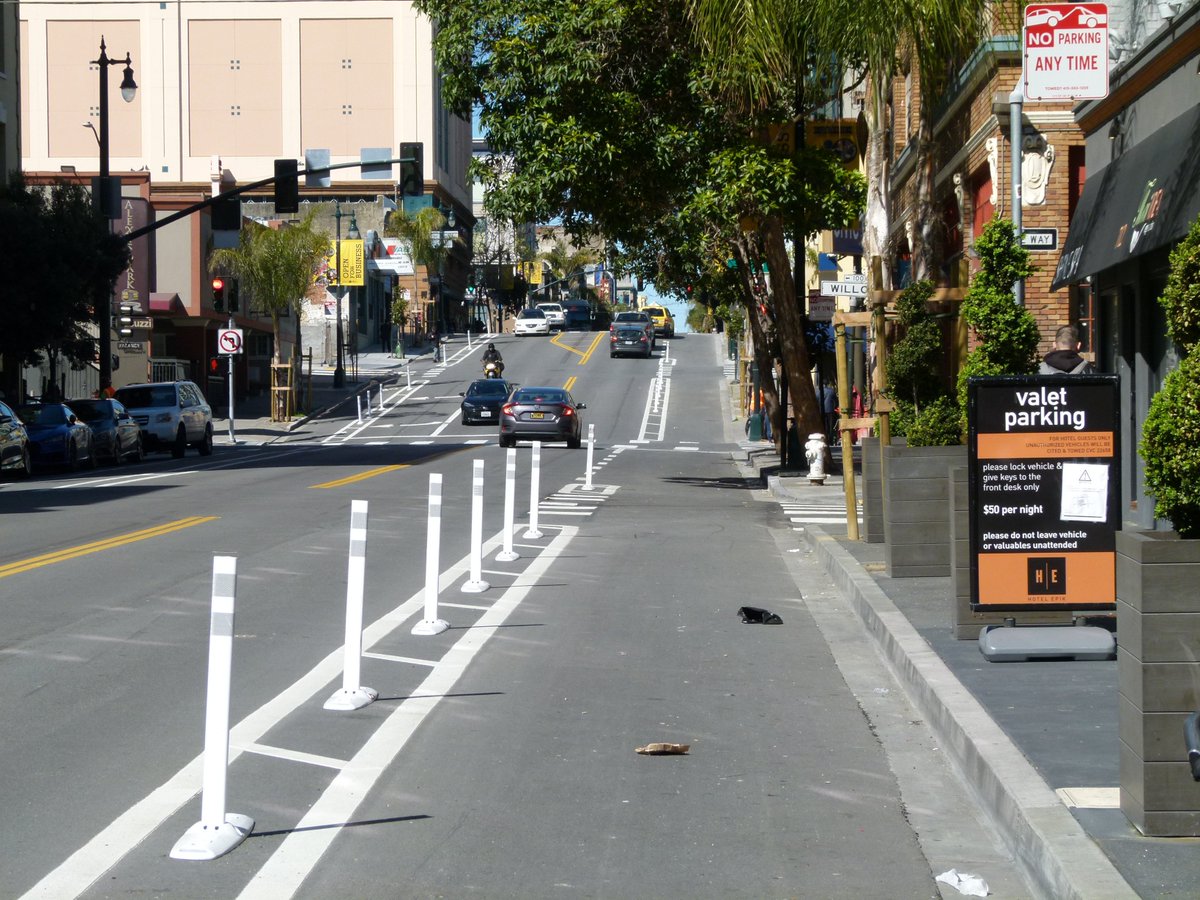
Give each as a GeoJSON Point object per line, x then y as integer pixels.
{"type": "Point", "coordinates": [223, 90]}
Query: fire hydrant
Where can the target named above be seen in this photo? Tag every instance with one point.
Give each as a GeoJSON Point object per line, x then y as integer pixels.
{"type": "Point", "coordinates": [814, 449]}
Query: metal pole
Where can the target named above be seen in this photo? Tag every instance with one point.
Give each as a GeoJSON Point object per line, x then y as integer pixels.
{"type": "Point", "coordinates": [1015, 132]}
{"type": "Point", "coordinates": [229, 378]}
{"type": "Point", "coordinates": [104, 304]}
{"type": "Point", "coordinates": [339, 372]}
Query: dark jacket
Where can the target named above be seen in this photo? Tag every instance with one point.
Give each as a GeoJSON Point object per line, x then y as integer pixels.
{"type": "Point", "coordinates": [1064, 362]}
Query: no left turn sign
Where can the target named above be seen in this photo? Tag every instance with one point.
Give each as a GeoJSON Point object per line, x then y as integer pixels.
{"type": "Point", "coordinates": [229, 340]}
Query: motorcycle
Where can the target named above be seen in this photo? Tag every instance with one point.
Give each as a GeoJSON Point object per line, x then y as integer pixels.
{"type": "Point", "coordinates": [493, 369]}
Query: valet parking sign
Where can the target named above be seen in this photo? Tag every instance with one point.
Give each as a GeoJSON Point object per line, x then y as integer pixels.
{"type": "Point", "coordinates": [1066, 51]}
{"type": "Point", "coordinates": [1044, 491]}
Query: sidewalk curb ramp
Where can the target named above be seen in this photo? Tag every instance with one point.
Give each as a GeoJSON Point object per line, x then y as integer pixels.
{"type": "Point", "coordinates": [1058, 857]}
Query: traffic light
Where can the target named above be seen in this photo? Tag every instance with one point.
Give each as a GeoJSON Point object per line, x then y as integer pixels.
{"type": "Point", "coordinates": [235, 302]}
{"type": "Point", "coordinates": [218, 289]}
{"type": "Point", "coordinates": [227, 213]}
{"type": "Point", "coordinates": [214, 365]}
{"type": "Point", "coordinates": [287, 186]}
{"type": "Point", "coordinates": [125, 319]}
{"type": "Point", "coordinates": [412, 169]}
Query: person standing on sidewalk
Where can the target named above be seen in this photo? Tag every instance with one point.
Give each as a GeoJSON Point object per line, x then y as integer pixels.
{"type": "Point", "coordinates": [385, 336]}
{"type": "Point", "coordinates": [1064, 359]}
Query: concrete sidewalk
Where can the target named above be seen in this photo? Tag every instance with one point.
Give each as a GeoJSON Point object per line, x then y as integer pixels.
{"type": "Point", "coordinates": [1035, 742]}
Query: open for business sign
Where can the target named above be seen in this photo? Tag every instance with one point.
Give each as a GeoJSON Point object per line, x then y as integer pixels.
{"type": "Point", "coordinates": [1044, 491]}
{"type": "Point", "coordinates": [1065, 51]}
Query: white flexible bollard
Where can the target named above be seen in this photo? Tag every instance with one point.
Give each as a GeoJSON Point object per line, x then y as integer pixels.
{"type": "Point", "coordinates": [587, 481]}
{"type": "Point", "coordinates": [508, 554]}
{"type": "Point", "coordinates": [353, 695]}
{"type": "Point", "coordinates": [534, 490]}
{"type": "Point", "coordinates": [380, 399]}
{"type": "Point", "coordinates": [217, 832]}
{"type": "Point", "coordinates": [358, 403]}
{"type": "Point", "coordinates": [407, 375]}
{"type": "Point", "coordinates": [431, 624]}
{"type": "Point", "coordinates": [475, 583]}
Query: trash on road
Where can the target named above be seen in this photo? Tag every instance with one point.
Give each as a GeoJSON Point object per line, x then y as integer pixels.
{"type": "Point", "coordinates": [660, 749]}
{"type": "Point", "coordinates": [752, 615]}
{"type": "Point", "coordinates": [970, 885]}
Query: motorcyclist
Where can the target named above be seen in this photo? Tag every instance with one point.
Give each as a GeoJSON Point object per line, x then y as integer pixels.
{"type": "Point", "coordinates": [492, 355]}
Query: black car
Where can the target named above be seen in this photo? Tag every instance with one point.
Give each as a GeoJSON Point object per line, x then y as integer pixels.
{"type": "Point", "coordinates": [14, 443]}
{"type": "Point", "coordinates": [115, 434]}
{"type": "Point", "coordinates": [482, 400]}
{"type": "Point", "coordinates": [628, 340]}
{"type": "Point", "coordinates": [540, 414]}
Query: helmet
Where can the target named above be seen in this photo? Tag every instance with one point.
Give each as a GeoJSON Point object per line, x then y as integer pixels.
{"type": "Point", "coordinates": [491, 346]}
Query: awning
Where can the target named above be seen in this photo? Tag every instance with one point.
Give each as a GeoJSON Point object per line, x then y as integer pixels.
{"type": "Point", "coordinates": [165, 303]}
{"type": "Point", "coordinates": [1145, 199]}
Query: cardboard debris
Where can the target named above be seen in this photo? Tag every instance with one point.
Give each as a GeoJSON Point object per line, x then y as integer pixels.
{"type": "Point", "coordinates": [663, 749]}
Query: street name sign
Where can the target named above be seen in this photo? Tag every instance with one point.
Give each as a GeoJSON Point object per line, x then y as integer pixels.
{"type": "Point", "coordinates": [849, 285]}
{"type": "Point", "coordinates": [1065, 51]}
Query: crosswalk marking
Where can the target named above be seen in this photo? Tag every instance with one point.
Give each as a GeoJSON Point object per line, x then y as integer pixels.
{"type": "Point", "coordinates": [828, 513]}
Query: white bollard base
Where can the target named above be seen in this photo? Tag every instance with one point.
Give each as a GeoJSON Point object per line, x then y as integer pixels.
{"type": "Point", "coordinates": [532, 534]}
{"type": "Point", "coordinates": [203, 842]}
{"type": "Point", "coordinates": [427, 627]}
{"type": "Point", "coordinates": [475, 587]}
{"type": "Point", "coordinates": [344, 700]}
{"type": "Point", "coordinates": [507, 556]}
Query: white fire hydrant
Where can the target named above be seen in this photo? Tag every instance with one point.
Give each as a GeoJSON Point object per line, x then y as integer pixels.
{"type": "Point", "coordinates": [814, 449]}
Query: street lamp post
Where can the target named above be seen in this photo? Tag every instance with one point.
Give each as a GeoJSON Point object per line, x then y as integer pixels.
{"type": "Point", "coordinates": [444, 243]}
{"type": "Point", "coordinates": [353, 235]}
{"type": "Point", "coordinates": [101, 199]}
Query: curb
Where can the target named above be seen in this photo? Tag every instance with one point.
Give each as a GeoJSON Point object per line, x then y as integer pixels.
{"type": "Point", "coordinates": [1054, 852]}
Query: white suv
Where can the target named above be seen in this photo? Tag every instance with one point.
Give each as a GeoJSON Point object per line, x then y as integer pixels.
{"type": "Point", "coordinates": [171, 414]}
{"type": "Point", "coordinates": [555, 315]}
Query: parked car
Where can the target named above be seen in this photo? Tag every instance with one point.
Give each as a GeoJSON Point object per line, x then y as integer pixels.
{"type": "Point", "coordinates": [540, 414]}
{"type": "Point", "coordinates": [628, 340]}
{"type": "Point", "coordinates": [482, 400]}
{"type": "Point", "coordinates": [115, 435]}
{"type": "Point", "coordinates": [664, 322]}
{"type": "Point", "coordinates": [14, 443]}
{"type": "Point", "coordinates": [578, 315]}
{"type": "Point", "coordinates": [531, 321]}
{"type": "Point", "coordinates": [637, 317]}
{"type": "Point", "coordinates": [172, 415]}
{"type": "Point", "coordinates": [56, 436]}
{"type": "Point", "coordinates": [555, 314]}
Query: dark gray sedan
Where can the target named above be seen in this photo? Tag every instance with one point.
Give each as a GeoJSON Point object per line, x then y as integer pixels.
{"type": "Point", "coordinates": [482, 400]}
{"type": "Point", "coordinates": [540, 414]}
{"type": "Point", "coordinates": [115, 435]}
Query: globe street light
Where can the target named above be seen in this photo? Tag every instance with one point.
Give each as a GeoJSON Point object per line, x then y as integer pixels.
{"type": "Point", "coordinates": [103, 201]}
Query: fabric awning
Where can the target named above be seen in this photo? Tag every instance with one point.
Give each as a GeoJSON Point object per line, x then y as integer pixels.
{"type": "Point", "coordinates": [1145, 199]}
{"type": "Point", "coordinates": [164, 302]}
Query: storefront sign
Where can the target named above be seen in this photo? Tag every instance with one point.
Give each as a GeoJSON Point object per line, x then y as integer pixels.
{"type": "Point", "coordinates": [1044, 491]}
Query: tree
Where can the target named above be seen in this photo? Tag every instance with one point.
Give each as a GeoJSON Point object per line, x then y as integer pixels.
{"type": "Point", "coordinates": [1006, 332]}
{"type": "Point", "coordinates": [556, 92]}
{"type": "Point", "coordinates": [566, 260]}
{"type": "Point", "coordinates": [67, 258]}
{"type": "Point", "coordinates": [274, 266]}
{"type": "Point", "coordinates": [416, 233]}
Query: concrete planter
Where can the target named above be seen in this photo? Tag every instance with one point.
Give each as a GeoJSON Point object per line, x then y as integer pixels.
{"type": "Point", "coordinates": [1158, 677]}
{"type": "Point", "coordinates": [916, 504]}
{"type": "Point", "coordinates": [872, 488]}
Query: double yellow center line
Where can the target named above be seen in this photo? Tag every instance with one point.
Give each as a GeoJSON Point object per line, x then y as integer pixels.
{"type": "Point", "coordinates": [47, 559]}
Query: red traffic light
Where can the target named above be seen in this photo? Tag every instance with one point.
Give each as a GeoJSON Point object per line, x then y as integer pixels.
{"type": "Point", "coordinates": [214, 365]}
{"type": "Point", "coordinates": [218, 289]}
{"type": "Point", "coordinates": [218, 284]}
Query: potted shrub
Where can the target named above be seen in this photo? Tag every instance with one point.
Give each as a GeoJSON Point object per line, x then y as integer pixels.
{"type": "Point", "coordinates": [1158, 619]}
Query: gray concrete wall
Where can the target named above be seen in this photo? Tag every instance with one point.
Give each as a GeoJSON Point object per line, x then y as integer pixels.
{"type": "Point", "coordinates": [916, 506]}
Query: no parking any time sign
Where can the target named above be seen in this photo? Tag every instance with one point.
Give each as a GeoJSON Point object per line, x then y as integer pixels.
{"type": "Point", "coordinates": [1066, 51]}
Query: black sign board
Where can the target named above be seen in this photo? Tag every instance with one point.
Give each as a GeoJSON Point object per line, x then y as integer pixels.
{"type": "Point", "coordinates": [1044, 491]}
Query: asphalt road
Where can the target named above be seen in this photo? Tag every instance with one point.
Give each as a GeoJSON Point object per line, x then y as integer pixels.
{"type": "Point", "coordinates": [499, 759]}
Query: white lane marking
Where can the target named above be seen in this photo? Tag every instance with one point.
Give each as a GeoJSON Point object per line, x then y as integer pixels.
{"type": "Point", "coordinates": [411, 660]}
{"type": "Point", "coordinates": [118, 482]}
{"type": "Point", "coordinates": [312, 759]}
{"type": "Point", "coordinates": [89, 863]}
{"type": "Point", "coordinates": [282, 874]}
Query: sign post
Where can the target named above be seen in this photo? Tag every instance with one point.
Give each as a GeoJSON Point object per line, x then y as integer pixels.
{"type": "Point", "coordinates": [1044, 507]}
{"type": "Point", "coordinates": [229, 345]}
